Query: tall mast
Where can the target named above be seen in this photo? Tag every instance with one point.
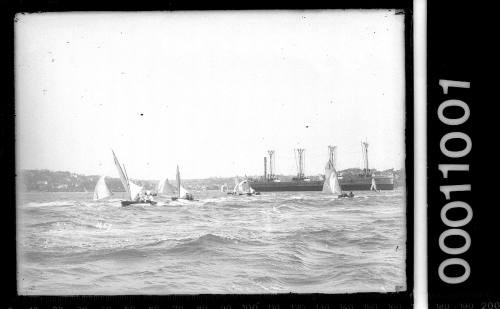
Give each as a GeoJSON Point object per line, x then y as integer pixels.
{"type": "Point", "coordinates": [300, 165]}
{"type": "Point", "coordinates": [271, 164]}
{"type": "Point", "coordinates": [265, 167]}
{"type": "Point", "coordinates": [178, 177]}
{"type": "Point", "coordinates": [332, 157]}
{"type": "Point", "coordinates": [364, 146]}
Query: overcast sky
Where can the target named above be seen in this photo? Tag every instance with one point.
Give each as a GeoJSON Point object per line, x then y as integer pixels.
{"type": "Point", "coordinates": [210, 91]}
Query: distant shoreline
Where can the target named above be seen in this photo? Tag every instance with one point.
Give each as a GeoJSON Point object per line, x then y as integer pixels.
{"type": "Point", "coordinates": [44, 180]}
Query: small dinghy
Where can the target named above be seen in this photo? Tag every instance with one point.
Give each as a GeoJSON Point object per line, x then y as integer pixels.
{"type": "Point", "coordinates": [345, 195]}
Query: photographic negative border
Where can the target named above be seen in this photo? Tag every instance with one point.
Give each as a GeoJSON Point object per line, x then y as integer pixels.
{"type": "Point", "coordinates": [462, 269]}
{"type": "Point", "coordinates": [396, 300]}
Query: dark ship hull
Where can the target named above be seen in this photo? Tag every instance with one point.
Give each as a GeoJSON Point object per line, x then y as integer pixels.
{"type": "Point", "coordinates": [351, 183]}
{"type": "Point", "coordinates": [273, 186]}
{"type": "Point", "coordinates": [364, 183]}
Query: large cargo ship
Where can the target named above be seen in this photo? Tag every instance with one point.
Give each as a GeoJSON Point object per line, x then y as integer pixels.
{"type": "Point", "coordinates": [348, 182]}
{"type": "Point", "coordinates": [271, 183]}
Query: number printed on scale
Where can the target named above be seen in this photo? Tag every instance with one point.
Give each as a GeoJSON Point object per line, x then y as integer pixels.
{"type": "Point", "coordinates": [455, 227]}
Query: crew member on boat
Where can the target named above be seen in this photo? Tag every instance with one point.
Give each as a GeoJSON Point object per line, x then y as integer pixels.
{"type": "Point", "coordinates": [149, 197]}
{"type": "Point", "coordinates": [138, 197]}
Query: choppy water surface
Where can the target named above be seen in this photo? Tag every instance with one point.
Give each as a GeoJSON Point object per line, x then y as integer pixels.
{"type": "Point", "coordinates": [279, 242]}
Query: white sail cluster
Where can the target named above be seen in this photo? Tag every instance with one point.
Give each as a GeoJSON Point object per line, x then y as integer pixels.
{"type": "Point", "coordinates": [134, 191]}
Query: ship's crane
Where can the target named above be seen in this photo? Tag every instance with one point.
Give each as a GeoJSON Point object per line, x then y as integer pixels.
{"type": "Point", "coordinates": [332, 155]}
{"type": "Point", "coordinates": [364, 151]}
{"type": "Point", "coordinates": [271, 164]}
{"type": "Point", "coordinates": [300, 161]}
{"type": "Point", "coordinates": [265, 168]}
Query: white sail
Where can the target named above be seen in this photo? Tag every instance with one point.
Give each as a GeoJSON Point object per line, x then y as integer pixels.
{"type": "Point", "coordinates": [223, 188]}
{"type": "Point", "coordinates": [101, 189]}
{"type": "Point", "coordinates": [183, 193]}
{"type": "Point", "coordinates": [122, 174]}
{"type": "Point", "coordinates": [235, 189]}
{"type": "Point", "coordinates": [178, 180]}
{"type": "Point", "coordinates": [331, 184]}
{"type": "Point", "coordinates": [243, 187]}
{"type": "Point", "coordinates": [165, 188]}
{"type": "Point", "coordinates": [160, 185]}
{"type": "Point", "coordinates": [134, 190]}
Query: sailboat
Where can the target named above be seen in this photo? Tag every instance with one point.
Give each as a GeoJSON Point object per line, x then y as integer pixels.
{"type": "Point", "coordinates": [165, 188]}
{"type": "Point", "coordinates": [243, 187]}
{"type": "Point", "coordinates": [236, 182]}
{"type": "Point", "coordinates": [131, 189]}
{"type": "Point", "coordinates": [101, 190]}
{"type": "Point", "coordinates": [223, 188]}
{"type": "Point", "coordinates": [332, 184]}
{"type": "Point", "coordinates": [182, 193]}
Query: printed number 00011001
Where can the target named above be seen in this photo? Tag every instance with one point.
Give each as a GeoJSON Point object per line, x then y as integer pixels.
{"type": "Point", "coordinates": [454, 225]}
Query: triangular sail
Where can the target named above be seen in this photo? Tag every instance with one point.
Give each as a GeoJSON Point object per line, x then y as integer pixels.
{"type": "Point", "coordinates": [160, 185]}
{"type": "Point", "coordinates": [134, 190]}
{"type": "Point", "coordinates": [165, 188]}
{"type": "Point", "coordinates": [122, 174]}
{"type": "Point", "coordinates": [331, 184]}
{"type": "Point", "coordinates": [178, 179]}
{"type": "Point", "coordinates": [183, 193]}
{"type": "Point", "coordinates": [101, 189]}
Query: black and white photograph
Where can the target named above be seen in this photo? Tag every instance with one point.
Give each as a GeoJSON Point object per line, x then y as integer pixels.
{"type": "Point", "coordinates": [211, 152]}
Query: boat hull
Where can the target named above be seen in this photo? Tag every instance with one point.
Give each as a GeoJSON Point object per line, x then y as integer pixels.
{"type": "Point", "coordinates": [364, 183]}
{"type": "Point", "coordinates": [127, 203]}
{"type": "Point", "coordinates": [357, 183]}
{"type": "Point", "coordinates": [270, 186]}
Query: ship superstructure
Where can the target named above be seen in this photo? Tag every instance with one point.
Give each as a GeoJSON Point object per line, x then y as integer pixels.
{"type": "Point", "coordinates": [364, 181]}
{"type": "Point", "coordinates": [271, 183]}
{"type": "Point", "coordinates": [367, 180]}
